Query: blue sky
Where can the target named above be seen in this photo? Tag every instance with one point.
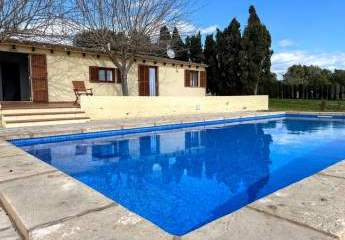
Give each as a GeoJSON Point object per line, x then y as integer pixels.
{"type": "Point", "coordinates": [303, 31]}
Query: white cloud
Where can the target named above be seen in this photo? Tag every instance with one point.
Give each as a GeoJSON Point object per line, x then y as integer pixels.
{"type": "Point", "coordinates": [286, 43]}
{"type": "Point", "coordinates": [281, 61]}
{"type": "Point", "coordinates": [187, 28]}
{"type": "Point", "coordinates": [209, 29]}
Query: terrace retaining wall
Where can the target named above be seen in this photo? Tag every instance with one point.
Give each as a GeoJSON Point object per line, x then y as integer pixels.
{"type": "Point", "coordinates": [114, 107]}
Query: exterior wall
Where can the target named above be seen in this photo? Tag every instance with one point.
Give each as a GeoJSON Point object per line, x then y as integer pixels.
{"type": "Point", "coordinates": [64, 68]}
{"type": "Point", "coordinates": [171, 82]}
{"type": "Point", "coordinates": [130, 107]}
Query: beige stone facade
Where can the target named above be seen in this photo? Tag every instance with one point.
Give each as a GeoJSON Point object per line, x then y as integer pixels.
{"type": "Point", "coordinates": [65, 66]}
{"type": "Point", "coordinates": [100, 108]}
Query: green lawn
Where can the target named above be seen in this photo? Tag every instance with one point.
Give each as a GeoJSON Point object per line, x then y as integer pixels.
{"type": "Point", "coordinates": [306, 105]}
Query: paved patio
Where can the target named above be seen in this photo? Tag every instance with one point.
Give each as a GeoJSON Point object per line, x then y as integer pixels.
{"type": "Point", "coordinates": [47, 204]}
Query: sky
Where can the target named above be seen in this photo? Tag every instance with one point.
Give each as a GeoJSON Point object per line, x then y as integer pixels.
{"type": "Point", "coordinates": [310, 32]}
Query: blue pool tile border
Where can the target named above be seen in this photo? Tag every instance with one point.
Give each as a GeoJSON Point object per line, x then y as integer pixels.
{"type": "Point", "coordinates": [80, 136]}
{"type": "Point", "coordinates": [316, 116]}
{"type": "Point", "coordinates": [118, 132]}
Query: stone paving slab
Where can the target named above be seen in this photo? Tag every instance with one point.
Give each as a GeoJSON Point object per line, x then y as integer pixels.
{"type": "Point", "coordinates": [10, 150]}
{"type": "Point", "coordinates": [114, 223]}
{"type": "Point", "coordinates": [45, 199]}
{"type": "Point", "coordinates": [337, 170]}
{"type": "Point", "coordinates": [248, 224]}
{"type": "Point", "coordinates": [19, 166]}
{"type": "Point", "coordinates": [317, 202]}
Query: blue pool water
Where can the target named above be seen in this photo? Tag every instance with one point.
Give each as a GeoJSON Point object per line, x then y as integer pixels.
{"type": "Point", "coordinates": [182, 179]}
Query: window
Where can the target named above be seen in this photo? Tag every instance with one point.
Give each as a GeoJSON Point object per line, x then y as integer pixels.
{"type": "Point", "coordinates": [105, 75]}
{"type": "Point", "coordinates": [100, 74]}
{"type": "Point", "coordinates": [194, 78]}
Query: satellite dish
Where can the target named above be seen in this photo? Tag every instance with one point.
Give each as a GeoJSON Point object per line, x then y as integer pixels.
{"type": "Point", "coordinates": [171, 53]}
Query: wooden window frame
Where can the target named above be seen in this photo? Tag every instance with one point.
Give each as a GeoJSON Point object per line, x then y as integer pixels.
{"type": "Point", "coordinates": [113, 70]}
{"type": "Point", "coordinates": [188, 78]}
{"type": "Point", "coordinates": [191, 80]}
{"type": "Point", "coordinates": [202, 79]}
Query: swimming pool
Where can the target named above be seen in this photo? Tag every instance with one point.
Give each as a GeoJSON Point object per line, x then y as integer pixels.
{"type": "Point", "coordinates": [182, 178]}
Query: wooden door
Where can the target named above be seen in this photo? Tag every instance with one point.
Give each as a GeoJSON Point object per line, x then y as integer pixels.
{"type": "Point", "coordinates": [39, 78]}
{"type": "Point", "coordinates": [144, 85]}
{"type": "Point", "coordinates": [144, 80]}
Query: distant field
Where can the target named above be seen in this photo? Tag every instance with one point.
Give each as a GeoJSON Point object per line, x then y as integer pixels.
{"type": "Point", "coordinates": [306, 105]}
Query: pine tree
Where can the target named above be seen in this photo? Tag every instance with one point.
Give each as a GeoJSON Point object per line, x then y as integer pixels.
{"type": "Point", "coordinates": [164, 40]}
{"type": "Point", "coordinates": [210, 54]}
{"type": "Point", "coordinates": [178, 45]}
{"type": "Point", "coordinates": [256, 54]}
{"type": "Point", "coordinates": [229, 48]}
{"type": "Point", "coordinates": [195, 48]}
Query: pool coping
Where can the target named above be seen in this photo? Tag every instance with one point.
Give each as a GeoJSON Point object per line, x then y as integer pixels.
{"type": "Point", "coordinates": [29, 171]}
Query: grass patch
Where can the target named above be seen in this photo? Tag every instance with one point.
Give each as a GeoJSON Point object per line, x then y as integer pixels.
{"type": "Point", "coordinates": [306, 105]}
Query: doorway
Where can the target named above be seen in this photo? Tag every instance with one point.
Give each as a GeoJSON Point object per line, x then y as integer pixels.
{"type": "Point", "coordinates": [148, 80]}
{"type": "Point", "coordinates": [14, 77]}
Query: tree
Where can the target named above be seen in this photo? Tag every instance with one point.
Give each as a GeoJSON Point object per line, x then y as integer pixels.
{"type": "Point", "coordinates": [25, 19]}
{"type": "Point", "coordinates": [210, 54]}
{"type": "Point", "coordinates": [164, 41]}
{"type": "Point", "coordinates": [195, 48]}
{"type": "Point", "coordinates": [229, 48]}
{"type": "Point", "coordinates": [178, 45]}
{"type": "Point", "coordinates": [256, 53]}
{"type": "Point", "coordinates": [121, 27]}
{"type": "Point", "coordinates": [338, 77]}
{"type": "Point", "coordinates": [307, 76]}
{"type": "Point", "coordinates": [296, 75]}
{"type": "Point", "coordinates": [188, 45]}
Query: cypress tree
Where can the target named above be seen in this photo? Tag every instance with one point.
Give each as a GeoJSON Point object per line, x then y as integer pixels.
{"type": "Point", "coordinates": [164, 40]}
{"type": "Point", "coordinates": [210, 54]}
{"type": "Point", "coordinates": [187, 44]}
{"type": "Point", "coordinates": [229, 49]}
{"type": "Point", "coordinates": [256, 54]}
{"type": "Point", "coordinates": [179, 46]}
{"type": "Point", "coordinates": [195, 48]}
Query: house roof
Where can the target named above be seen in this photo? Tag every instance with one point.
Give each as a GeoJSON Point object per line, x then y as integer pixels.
{"type": "Point", "coordinates": [66, 48]}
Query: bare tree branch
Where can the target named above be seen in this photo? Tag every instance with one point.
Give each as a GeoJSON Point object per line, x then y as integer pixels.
{"type": "Point", "coordinates": [123, 29]}
{"type": "Point", "coordinates": [24, 19]}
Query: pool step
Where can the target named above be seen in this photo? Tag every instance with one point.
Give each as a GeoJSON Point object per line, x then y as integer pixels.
{"type": "Point", "coordinates": [40, 117]}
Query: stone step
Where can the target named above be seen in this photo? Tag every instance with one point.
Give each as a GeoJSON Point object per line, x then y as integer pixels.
{"type": "Point", "coordinates": [44, 122]}
{"type": "Point", "coordinates": [38, 110]}
{"type": "Point", "coordinates": [42, 116]}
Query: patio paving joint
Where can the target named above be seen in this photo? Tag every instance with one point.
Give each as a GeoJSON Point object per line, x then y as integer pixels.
{"type": "Point", "coordinates": [4, 229]}
{"type": "Point", "coordinates": [329, 175]}
{"type": "Point", "coordinates": [48, 224]}
{"type": "Point", "coordinates": [29, 176]}
{"type": "Point", "coordinates": [293, 222]}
